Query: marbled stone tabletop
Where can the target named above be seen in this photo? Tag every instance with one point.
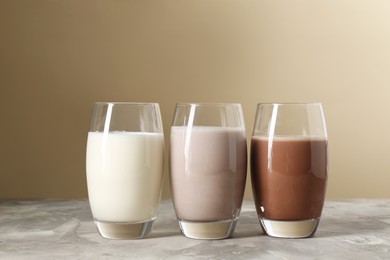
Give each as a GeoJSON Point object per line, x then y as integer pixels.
{"type": "Point", "coordinates": [63, 229]}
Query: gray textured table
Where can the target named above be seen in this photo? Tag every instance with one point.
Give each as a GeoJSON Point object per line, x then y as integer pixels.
{"type": "Point", "coordinates": [63, 229]}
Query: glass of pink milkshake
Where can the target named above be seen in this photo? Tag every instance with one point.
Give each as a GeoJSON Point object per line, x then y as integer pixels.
{"type": "Point", "coordinates": [208, 163]}
{"type": "Point", "coordinates": [125, 156]}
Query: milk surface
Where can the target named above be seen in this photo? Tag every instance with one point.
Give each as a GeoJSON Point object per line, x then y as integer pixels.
{"type": "Point", "coordinates": [124, 175]}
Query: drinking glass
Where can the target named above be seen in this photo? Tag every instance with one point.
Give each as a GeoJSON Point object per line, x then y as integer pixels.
{"type": "Point", "coordinates": [124, 165]}
{"type": "Point", "coordinates": [289, 168]}
{"type": "Point", "coordinates": [208, 163]}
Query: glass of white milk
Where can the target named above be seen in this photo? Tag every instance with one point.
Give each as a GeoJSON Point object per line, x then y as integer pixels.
{"type": "Point", "coordinates": [124, 166]}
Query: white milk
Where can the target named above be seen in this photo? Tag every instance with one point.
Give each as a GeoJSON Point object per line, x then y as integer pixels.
{"type": "Point", "coordinates": [124, 175]}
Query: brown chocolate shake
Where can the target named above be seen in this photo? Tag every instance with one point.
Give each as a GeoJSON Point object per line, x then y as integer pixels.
{"type": "Point", "coordinates": [289, 176]}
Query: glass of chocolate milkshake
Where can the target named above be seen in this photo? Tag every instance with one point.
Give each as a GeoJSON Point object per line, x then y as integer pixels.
{"type": "Point", "coordinates": [208, 163]}
{"type": "Point", "coordinates": [289, 167]}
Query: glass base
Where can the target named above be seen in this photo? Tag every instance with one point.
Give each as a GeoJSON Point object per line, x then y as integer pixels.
{"type": "Point", "coordinates": [120, 230]}
{"type": "Point", "coordinates": [208, 230]}
{"type": "Point", "coordinates": [290, 229]}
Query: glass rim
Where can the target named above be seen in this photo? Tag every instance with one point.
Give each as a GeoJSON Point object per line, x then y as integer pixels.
{"type": "Point", "coordinates": [289, 103]}
{"type": "Point", "coordinates": [210, 104]}
{"type": "Point", "coordinates": [124, 103]}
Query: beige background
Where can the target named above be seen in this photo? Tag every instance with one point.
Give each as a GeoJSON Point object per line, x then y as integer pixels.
{"type": "Point", "coordinates": [57, 57]}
